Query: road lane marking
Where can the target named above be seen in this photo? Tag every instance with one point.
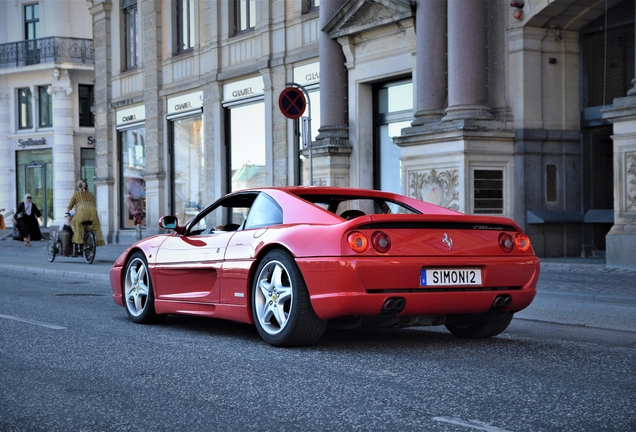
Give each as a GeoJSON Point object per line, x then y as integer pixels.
{"type": "Point", "coordinates": [43, 324]}
{"type": "Point", "coordinates": [473, 424]}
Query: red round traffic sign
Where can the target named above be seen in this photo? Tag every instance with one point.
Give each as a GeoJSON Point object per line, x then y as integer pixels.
{"type": "Point", "coordinates": [292, 102]}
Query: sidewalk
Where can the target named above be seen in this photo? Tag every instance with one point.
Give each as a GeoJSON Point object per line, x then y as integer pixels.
{"type": "Point", "coordinates": [587, 278]}
{"type": "Point", "coordinates": [16, 258]}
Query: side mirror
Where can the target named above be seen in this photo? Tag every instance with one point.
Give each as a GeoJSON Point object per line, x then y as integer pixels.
{"type": "Point", "coordinates": [169, 222]}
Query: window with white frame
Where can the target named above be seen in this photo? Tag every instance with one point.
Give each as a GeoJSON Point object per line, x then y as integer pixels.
{"type": "Point", "coordinates": [25, 109]}
{"type": "Point", "coordinates": [244, 15]}
{"type": "Point", "coordinates": [45, 107]}
{"type": "Point", "coordinates": [31, 34]}
{"type": "Point", "coordinates": [31, 21]}
{"type": "Point", "coordinates": [131, 34]}
{"type": "Point", "coordinates": [185, 25]}
{"type": "Point", "coordinates": [311, 5]}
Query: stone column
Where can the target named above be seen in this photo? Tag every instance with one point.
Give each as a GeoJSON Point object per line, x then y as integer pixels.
{"type": "Point", "coordinates": [431, 63]}
{"type": "Point", "coordinates": [215, 150]}
{"type": "Point", "coordinates": [155, 176]}
{"type": "Point", "coordinates": [331, 149]}
{"type": "Point", "coordinates": [7, 177]}
{"type": "Point", "coordinates": [467, 60]}
{"type": "Point", "coordinates": [621, 240]}
{"type": "Point", "coordinates": [333, 80]}
{"type": "Point", "coordinates": [63, 146]}
{"type": "Point", "coordinates": [632, 91]}
{"type": "Point", "coordinates": [274, 83]}
{"type": "Point", "coordinates": [107, 204]}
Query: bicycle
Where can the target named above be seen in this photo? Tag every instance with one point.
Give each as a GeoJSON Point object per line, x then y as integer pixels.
{"type": "Point", "coordinates": [87, 250]}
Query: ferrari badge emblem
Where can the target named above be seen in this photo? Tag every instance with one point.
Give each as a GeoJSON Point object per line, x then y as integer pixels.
{"type": "Point", "coordinates": [448, 241]}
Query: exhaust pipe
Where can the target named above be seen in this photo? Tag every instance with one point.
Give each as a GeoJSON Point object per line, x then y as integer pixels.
{"type": "Point", "coordinates": [501, 301]}
{"type": "Point", "coordinates": [393, 305]}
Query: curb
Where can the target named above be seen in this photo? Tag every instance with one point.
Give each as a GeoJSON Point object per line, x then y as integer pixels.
{"type": "Point", "coordinates": [65, 275]}
{"type": "Point", "coordinates": [578, 324]}
{"type": "Point", "coordinates": [601, 298]}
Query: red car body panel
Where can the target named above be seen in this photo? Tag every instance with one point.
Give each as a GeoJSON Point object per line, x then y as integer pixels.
{"type": "Point", "coordinates": [211, 275]}
{"type": "Point", "coordinates": [360, 286]}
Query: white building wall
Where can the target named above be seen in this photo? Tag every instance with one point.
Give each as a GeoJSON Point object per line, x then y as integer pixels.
{"type": "Point", "coordinates": [59, 19]}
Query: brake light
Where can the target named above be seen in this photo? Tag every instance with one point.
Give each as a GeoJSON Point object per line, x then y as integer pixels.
{"type": "Point", "coordinates": [358, 242]}
{"type": "Point", "coordinates": [381, 241]}
{"type": "Point", "coordinates": [522, 242]}
{"type": "Point", "coordinates": [506, 242]}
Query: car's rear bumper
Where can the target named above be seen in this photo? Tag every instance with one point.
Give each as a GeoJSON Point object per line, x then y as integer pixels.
{"type": "Point", "coordinates": [360, 286]}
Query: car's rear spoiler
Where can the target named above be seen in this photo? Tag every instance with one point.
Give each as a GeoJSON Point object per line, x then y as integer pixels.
{"type": "Point", "coordinates": [436, 225]}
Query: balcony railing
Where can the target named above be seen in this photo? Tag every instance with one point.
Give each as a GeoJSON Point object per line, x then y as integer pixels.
{"type": "Point", "coordinates": [46, 50]}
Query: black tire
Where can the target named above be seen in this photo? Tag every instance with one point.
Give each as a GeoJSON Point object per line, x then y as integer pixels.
{"type": "Point", "coordinates": [139, 297]}
{"type": "Point", "coordinates": [280, 303]}
{"type": "Point", "coordinates": [481, 327]}
{"type": "Point", "coordinates": [90, 247]}
{"type": "Point", "coordinates": [51, 249]}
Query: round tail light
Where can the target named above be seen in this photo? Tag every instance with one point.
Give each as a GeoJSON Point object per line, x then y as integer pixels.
{"type": "Point", "coordinates": [522, 242]}
{"type": "Point", "coordinates": [381, 242]}
{"type": "Point", "coordinates": [506, 242]}
{"type": "Point", "coordinates": [358, 242]}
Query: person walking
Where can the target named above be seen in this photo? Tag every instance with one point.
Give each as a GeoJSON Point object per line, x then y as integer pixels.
{"type": "Point", "coordinates": [85, 210]}
{"type": "Point", "coordinates": [27, 215]}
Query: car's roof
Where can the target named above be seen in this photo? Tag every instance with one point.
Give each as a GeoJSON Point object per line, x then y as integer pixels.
{"type": "Point", "coordinates": [332, 190]}
{"type": "Point", "coordinates": [306, 192]}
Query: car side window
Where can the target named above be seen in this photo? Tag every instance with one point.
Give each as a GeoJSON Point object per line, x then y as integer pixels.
{"type": "Point", "coordinates": [227, 215]}
{"type": "Point", "coordinates": [264, 212]}
{"type": "Point", "coordinates": [220, 219]}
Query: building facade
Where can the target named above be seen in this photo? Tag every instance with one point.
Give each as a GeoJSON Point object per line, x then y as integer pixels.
{"type": "Point", "coordinates": [496, 107]}
{"type": "Point", "coordinates": [47, 133]}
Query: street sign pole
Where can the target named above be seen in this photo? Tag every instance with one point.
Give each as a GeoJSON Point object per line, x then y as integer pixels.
{"type": "Point", "coordinates": [309, 145]}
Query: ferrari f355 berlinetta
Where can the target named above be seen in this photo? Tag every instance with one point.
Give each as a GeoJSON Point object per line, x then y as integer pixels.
{"type": "Point", "coordinates": [294, 260]}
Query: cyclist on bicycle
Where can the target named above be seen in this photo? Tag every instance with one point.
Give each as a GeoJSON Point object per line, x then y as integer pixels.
{"type": "Point", "coordinates": [85, 210]}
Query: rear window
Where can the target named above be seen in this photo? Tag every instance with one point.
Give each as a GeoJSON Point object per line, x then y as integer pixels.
{"type": "Point", "coordinates": [371, 206]}
{"type": "Point", "coordinates": [350, 207]}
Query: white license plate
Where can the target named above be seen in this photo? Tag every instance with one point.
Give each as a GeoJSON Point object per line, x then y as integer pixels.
{"type": "Point", "coordinates": [450, 277]}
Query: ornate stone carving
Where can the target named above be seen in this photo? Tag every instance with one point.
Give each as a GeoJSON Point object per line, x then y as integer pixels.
{"type": "Point", "coordinates": [630, 160]}
{"type": "Point", "coordinates": [436, 187]}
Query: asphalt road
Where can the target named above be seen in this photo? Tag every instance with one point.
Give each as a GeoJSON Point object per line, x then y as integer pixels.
{"type": "Point", "coordinates": [71, 360]}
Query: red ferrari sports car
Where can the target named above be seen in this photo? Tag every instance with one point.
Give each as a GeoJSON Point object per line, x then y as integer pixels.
{"type": "Point", "coordinates": [293, 260]}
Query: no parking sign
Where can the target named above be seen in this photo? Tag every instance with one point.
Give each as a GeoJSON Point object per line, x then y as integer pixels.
{"type": "Point", "coordinates": [292, 102]}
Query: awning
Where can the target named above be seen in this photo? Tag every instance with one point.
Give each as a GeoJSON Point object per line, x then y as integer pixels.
{"type": "Point", "coordinates": [599, 216]}
{"type": "Point", "coordinates": [569, 216]}
{"type": "Point", "coordinates": [554, 216]}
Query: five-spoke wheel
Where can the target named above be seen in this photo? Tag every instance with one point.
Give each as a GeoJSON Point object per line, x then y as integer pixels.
{"type": "Point", "coordinates": [138, 293]}
{"type": "Point", "coordinates": [280, 303]}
